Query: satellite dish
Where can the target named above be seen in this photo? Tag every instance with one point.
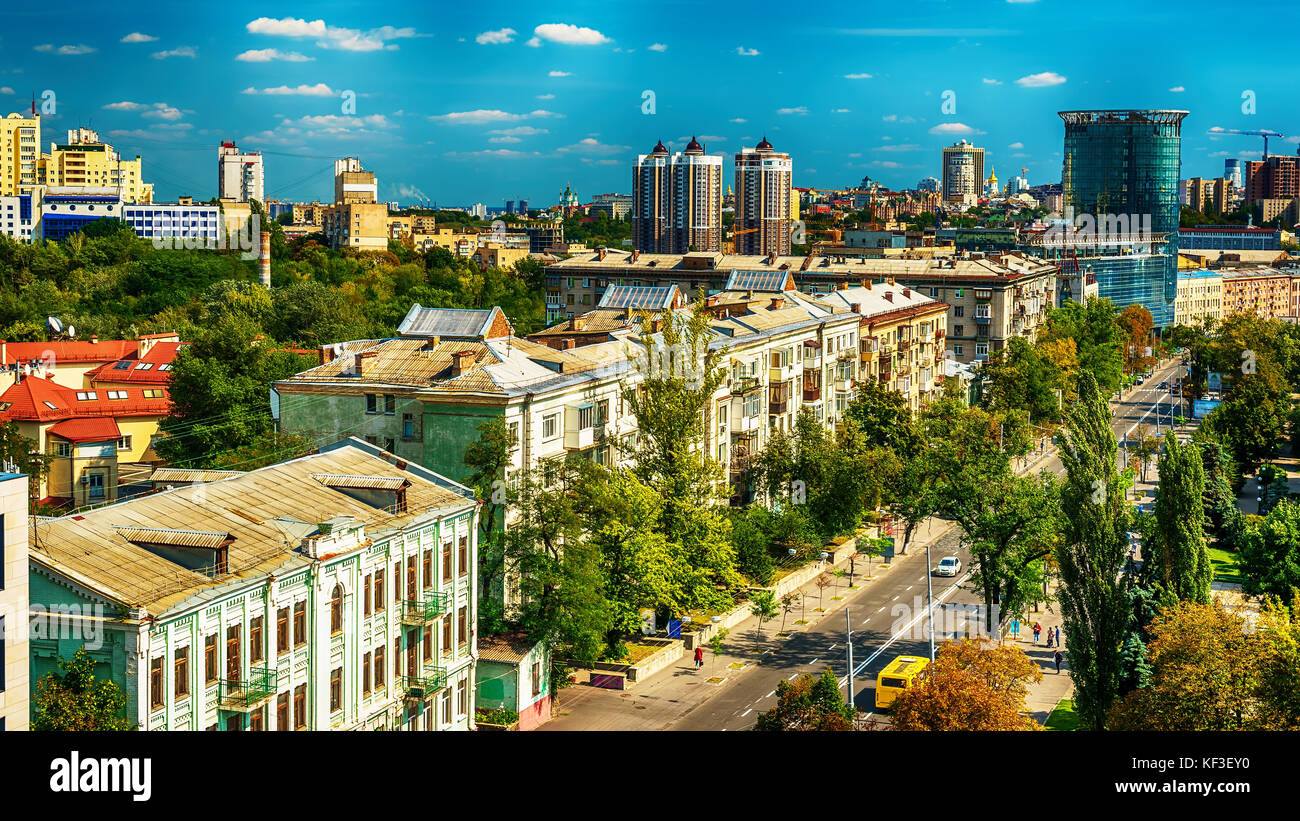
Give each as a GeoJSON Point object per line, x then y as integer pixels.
{"type": "Point", "coordinates": [55, 325]}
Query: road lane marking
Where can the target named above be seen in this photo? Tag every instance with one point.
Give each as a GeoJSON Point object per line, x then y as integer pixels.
{"type": "Point", "coordinates": [832, 647]}
{"type": "Point", "coordinates": [814, 661]}
{"type": "Point", "coordinates": [903, 630]}
{"type": "Point", "coordinates": [792, 675]}
{"type": "Point", "coordinates": [909, 588]}
{"type": "Point", "coordinates": [747, 712]}
{"type": "Point", "coordinates": [896, 598]}
{"type": "Point", "coordinates": [882, 609]}
{"type": "Point", "coordinates": [769, 695]}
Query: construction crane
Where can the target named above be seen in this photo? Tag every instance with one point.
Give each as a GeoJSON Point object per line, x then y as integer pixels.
{"type": "Point", "coordinates": [1265, 134]}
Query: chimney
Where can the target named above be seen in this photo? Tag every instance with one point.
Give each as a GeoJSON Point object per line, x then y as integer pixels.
{"type": "Point", "coordinates": [363, 361]}
{"type": "Point", "coordinates": [775, 304]}
{"type": "Point", "coordinates": [264, 262]}
{"type": "Point", "coordinates": [907, 292]}
{"type": "Point", "coordinates": [856, 307]}
{"type": "Point", "coordinates": [771, 257]}
{"type": "Point", "coordinates": [889, 296]}
{"type": "Point", "coordinates": [709, 302]}
{"type": "Point", "coordinates": [600, 254]}
{"type": "Point", "coordinates": [656, 325]}
{"type": "Point", "coordinates": [577, 323]}
{"type": "Point", "coordinates": [460, 362]}
{"type": "Point", "coordinates": [568, 345]}
{"type": "Point", "coordinates": [326, 354]}
{"type": "Point", "coordinates": [635, 255]}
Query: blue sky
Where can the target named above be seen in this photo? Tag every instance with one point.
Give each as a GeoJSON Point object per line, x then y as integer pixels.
{"type": "Point", "coordinates": [457, 103]}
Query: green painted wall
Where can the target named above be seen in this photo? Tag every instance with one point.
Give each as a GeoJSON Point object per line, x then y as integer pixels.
{"type": "Point", "coordinates": [497, 686]}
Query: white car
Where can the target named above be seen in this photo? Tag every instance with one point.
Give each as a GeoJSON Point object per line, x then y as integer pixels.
{"type": "Point", "coordinates": [948, 566]}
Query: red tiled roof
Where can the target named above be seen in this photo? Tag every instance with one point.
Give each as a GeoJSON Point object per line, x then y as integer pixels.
{"type": "Point", "coordinates": [70, 350]}
{"type": "Point", "coordinates": [42, 400]}
{"type": "Point", "coordinates": [95, 429]}
{"type": "Point", "coordinates": [128, 370]}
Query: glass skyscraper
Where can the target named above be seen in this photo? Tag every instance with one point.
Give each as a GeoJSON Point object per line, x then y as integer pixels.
{"type": "Point", "coordinates": [1127, 163]}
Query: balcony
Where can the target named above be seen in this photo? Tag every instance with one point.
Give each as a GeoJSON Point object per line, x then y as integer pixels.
{"type": "Point", "coordinates": [778, 408]}
{"type": "Point", "coordinates": [418, 612]}
{"type": "Point", "coordinates": [247, 695]}
{"type": "Point", "coordinates": [429, 680]}
{"type": "Point", "coordinates": [983, 320]}
{"type": "Point", "coordinates": [812, 394]}
{"type": "Point", "coordinates": [579, 439]}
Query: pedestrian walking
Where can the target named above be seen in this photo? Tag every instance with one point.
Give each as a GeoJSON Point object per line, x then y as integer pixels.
{"type": "Point", "coordinates": [1058, 658]}
{"type": "Point", "coordinates": [1038, 628]}
{"type": "Point", "coordinates": [1058, 635]}
{"type": "Point", "coordinates": [699, 657]}
{"type": "Point", "coordinates": [1049, 636]}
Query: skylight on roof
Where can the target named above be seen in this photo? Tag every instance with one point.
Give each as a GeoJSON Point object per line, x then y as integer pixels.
{"type": "Point", "coordinates": [51, 405]}
{"type": "Point", "coordinates": [122, 366]}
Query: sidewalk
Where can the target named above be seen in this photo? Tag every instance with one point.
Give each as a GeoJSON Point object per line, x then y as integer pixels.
{"type": "Point", "coordinates": [1044, 696]}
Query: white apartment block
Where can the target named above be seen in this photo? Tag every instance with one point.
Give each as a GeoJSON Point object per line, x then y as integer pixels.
{"type": "Point", "coordinates": [15, 679]}
{"type": "Point", "coordinates": [239, 174]}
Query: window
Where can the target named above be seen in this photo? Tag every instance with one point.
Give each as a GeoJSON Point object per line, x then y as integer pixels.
{"type": "Point", "coordinates": [379, 667]}
{"type": "Point", "coordinates": [117, 394]}
{"type": "Point", "coordinates": [428, 644]}
{"type": "Point", "coordinates": [390, 404]}
{"type": "Point", "coordinates": [365, 675]}
{"type": "Point", "coordinates": [365, 596]}
{"type": "Point", "coordinates": [156, 695]}
{"type": "Point", "coordinates": [299, 623]}
{"type": "Point", "coordinates": [63, 449]}
{"type": "Point", "coordinates": [981, 349]}
{"type": "Point", "coordinates": [300, 706]}
{"type": "Point", "coordinates": [336, 610]}
{"type": "Point", "coordinates": [233, 661]}
{"type": "Point", "coordinates": [958, 329]}
{"type": "Point", "coordinates": [446, 634]}
{"type": "Point", "coordinates": [550, 426]}
{"type": "Point", "coordinates": [537, 678]}
{"type": "Point", "coordinates": [428, 568]}
{"type": "Point", "coordinates": [397, 658]}
{"type": "Point", "coordinates": [372, 403]}
{"type": "Point", "coordinates": [959, 310]}
{"type": "Point", "coordinates": [410, 578]}
{"type": "Point", "coordinates": [514, 433]}
{"type": "Point", "coordinates": [282, 711]}
{"type": "Point", "coordinates": [153, 393]}
{"type": "Point", "coordinates": [397, 582]}
{"type": "Point", "coordinates": [462, 697]}
{"type": "Point", "coordinates": [282, 631]}
{"type": "Point", "coordinates": [462, 625]}
{"type": "Point", "coordinates": [409, 428]}
{"type": "Point", "coordinates": [446, 705]}
{"type": "Point", "coordinates": [464, 555]}
{"type": "Point", "coordinates": [336, 689]}
{"type": "Point", "coordinates": [446, 561]}
{"type": "Point", "coordinates": [124, 443]}
{"type": "Point", "coordinates": [257, 720]}
{"type": "Point", "coordinates": [86, 396]}
{"type": "Point", "coordinates": [144, 366]}
{"type": "Point", "coordinates": [957, 350]}
{"type": "Point", "coordinates": [181, 672]}
{"type": "Point", "coordinates": [256, 646]}
{"type": "Point", "coordinates": [210, 658]}
{"type": "Point", "coordinates": [380, 604]}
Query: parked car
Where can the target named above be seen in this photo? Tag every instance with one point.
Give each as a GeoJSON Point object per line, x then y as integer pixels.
{"type": "Point", "coordinates": [948, 566]}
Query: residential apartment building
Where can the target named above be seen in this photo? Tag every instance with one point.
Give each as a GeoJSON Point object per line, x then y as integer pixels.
{"type": "Point", "coordinates": [1264, 292]}
{"type": "Point", "coordinates": [336, 591]}
{"type": "Point", "coordinates": [362, 226]}
{"type": "Point", "coordinates": [87, 162]}
{"type": "Point", "coordinates": [764, 201]}
{"type": "Point", "coordinates": [1200, 296]}
{"type": "Point", "coordinates": [617, 206]}
{"type": "Point", "coordinates": [1274, 177]}
{"type": "Point", "coordinates": [20, 144]}
{"type": "Point", "coordinates": [1229, 238]}
{"type": "Point", "coordinates": [15, 674]}
{"type": "Point", "coordinates": [991, 297]}
{"type": "Point", "coordinates": [963, 173]}
{"type": "Point", "coordinates": [200, 225]}
{"type": "Point", "coordinates": [1212, 196]}
{"type": "Point", "coordinates": [353, 184]}
{"type": "Point", "coordinates": [239, 174]}
{"type": "Point", "coordinates": [677, 200]}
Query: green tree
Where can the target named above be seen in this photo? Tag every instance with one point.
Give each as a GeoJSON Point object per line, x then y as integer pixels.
{"type": "Point", "coordinates": [1097, 338]}
{"type": "Point", "coordinates": [1180, 547]}
{"type": "Point", "coordinates": [487, 458]}
{"type": "Point", "coordinates": [77, 701]}
{"type": "Point", "coordinates": [1094, 596]}
{"type": "Point", "coordinates": [1270, 552]}
{"type": "Point", "coordinates": [807, 703]}
{"type": "Point", "coordinates": [23, 455]}
{"type": "Point", "coordinates": [763, 607]}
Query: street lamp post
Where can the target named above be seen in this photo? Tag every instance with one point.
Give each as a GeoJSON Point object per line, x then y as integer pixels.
{"type": "Point", "coordinates": [929, 598]}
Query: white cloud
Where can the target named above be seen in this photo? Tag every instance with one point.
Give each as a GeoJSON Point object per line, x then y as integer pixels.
{"type": "Point", "coordinates": [6, 90]}
{"type": "Point", "coordinates": [338, 122]}
{"type": "Point", "coordinates": [746, 52]}
{"type": "Point", "coordinates": [546, 96]}
{"type": "Point", "coordinates": [898, 147]}
{"type": "Point", "coordinates": [591, 145]}
{"type": "Point", "coordinates": [737, 120]}
{"type": "Point", "coordinates": [894, 118]}
{"type": "Point", "coordinates": [491, 153]}
{"type": "Point", "coordinates": [658, 47]}
{"type": "Point", "coordinates": [126, 105]}
{"type": "Point", "coordinates": [182, 51]}
{"type": "Point", "coordinates": [332, 37]}
{"type": "Point", "coordinates": [534, 42]}
{"type": "Point", "coordinates": [137, 37]}
{"type": "Point", "coordinates": [799, 109]}
{"type": "Point", "coordinates": [992, 82]}
{"type": "Point", "coordinates": [519, 131]}
{"type": "Point", "coordinates": [1040, 80]}
{"type": "Point", "coordinates": [1016, 145]}
{"type": "Point", "coordinates": [304, 90]}
{"type": "Point", "coordinates": [496, 38]}
{"type": "Point", "coordinates": [839, 111]}
{"type": "Point", "coordinates": [504, 140]}
{"type": "Point", "coordinates": [266, 55]}
{"type": "Point", "coordinates": [162, 111]}
{"type": "Point", "coordinates": [559, 74]}
{"type": "Point", "coordinates": [886, 164]}
{"type": "Point", "coordinates": [480, 116]}
{"type": "Point", "coordinates": [954, 128]}
{"type": "Point", "coordinates": [861, 76]}
{"type": "Point", "coordinates": [569, 35]}
{"type": "Point", "coordinates": [1178, 89]}
{"type": "Point", "coordinates": [66, 50]}
{"type": "Point", "coordinates": [411, 192]}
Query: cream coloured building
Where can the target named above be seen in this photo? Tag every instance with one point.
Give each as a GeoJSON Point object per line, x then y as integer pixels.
{"type": "Point", "coordinates": [85, 161]}
{"type": "Point", "coordinates": [20, 141]}
{"type": "Point", "coordinates": [1200, 296]}
{"type": "Point", "coordinates": [15, 678]}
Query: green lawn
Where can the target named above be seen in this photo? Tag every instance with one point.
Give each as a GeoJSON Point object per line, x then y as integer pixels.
{"type": "Point", "coordinates": [1225, 565]}
{"type": "Point", "coordinates": [1063, 717]}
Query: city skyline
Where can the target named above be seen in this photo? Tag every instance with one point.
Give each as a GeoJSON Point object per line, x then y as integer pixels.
{"type": "Point", "coordinates": [460, 106]}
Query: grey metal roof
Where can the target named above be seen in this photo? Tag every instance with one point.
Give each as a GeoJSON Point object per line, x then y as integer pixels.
{"type": "Point", "coordinates": [742, 280]}
{"type": "Point", "coordinates": [644, 297]}
{"type": "Point", "coordinates": [336, 480]}
{"type": "Point", "coordinates": [208, 539]}
{"type": "Point", "coordinates": [464, 323]}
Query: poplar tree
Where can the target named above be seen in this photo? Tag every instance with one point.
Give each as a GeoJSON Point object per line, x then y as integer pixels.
{"type": "Point", "coordinates": [1090, 554]}
{"type": "Point", "coordinates": [1179, 540]}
